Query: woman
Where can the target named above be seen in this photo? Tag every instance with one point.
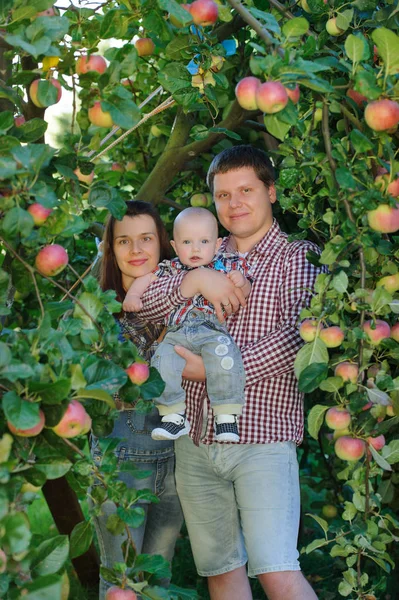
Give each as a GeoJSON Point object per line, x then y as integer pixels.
{"type": "Point", "coordinates": [133, 247]}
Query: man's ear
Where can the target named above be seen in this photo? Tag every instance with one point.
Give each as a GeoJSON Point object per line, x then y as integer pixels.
{"type": "Point", "coordinates": [218, 243]}
{"type": "Point", "coordinates": [272, 193]}
{"type": "Point", "coordinates": [172, 243]}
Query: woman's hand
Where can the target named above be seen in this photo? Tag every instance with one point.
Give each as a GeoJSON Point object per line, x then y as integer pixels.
{"type": "Point", "coordinates": [194, 369]}
{"type": "Point", "coordinates": [217, 288]}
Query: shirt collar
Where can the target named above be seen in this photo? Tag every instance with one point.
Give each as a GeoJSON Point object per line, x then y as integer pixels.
{"type": "Point", "coordinates": [270, 241]}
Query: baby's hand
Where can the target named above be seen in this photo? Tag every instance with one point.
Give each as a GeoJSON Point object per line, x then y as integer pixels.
{"type": "Point", "coordinates": [237, 278]}
{"type": "Point", "coordinates": [132, 303]}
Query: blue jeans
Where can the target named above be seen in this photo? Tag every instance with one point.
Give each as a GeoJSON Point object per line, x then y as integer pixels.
{"type": "Point", "coordinates": [158, 533]}
{"type": "Point", "coordinates": [225, 374]}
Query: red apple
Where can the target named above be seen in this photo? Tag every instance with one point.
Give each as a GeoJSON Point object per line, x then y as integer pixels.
{"type": "Point", "coordinates": [395, 332]}
{"type": "Point", "coordinates": [74, 421]}
{"type": "Point", "coordinates": [389, 282]}
{"type": "Point", "coordinates": [348, 371]}
{"type": "Point", "coordinates": [384, 218]}
{"type": "Point", "coordinates": [34, 89]}
{"type": "Point", "coordinates": [308, 329]}
{"type": "Point", "coordinates": [39, 213]}
{"type": "Point", "coordinates": [86, 425]}
{"type": "Point", "coordinates": [246, 92]}
{"type": "Point", "coordinates": [117, 167]}
{"type": "Point", "coordinates": [204, 12]}
{"type": "Point", "coordinates": [390, 410]}
{"type": "Point", "coordinates": [99, 117]}
{"type": "Point", "coordinates": [271, 97]}
{"type": "Point", "coordinates": [349, 448]}
{"type": "Point", "coordinates": [294, 94]}
{"type": "Point", "coordinates": [131, 165]}
{"type": "Point", "coordinates": [84, 178]}
{"type": "Point", "coordinates": [117, 593]}
{"type": "Point", "coordinates": [390, 187]}
{"type": "Point", "coordinates": [3, 561]}
{"type": "Point", "coordinates": [338, 417]}
{"type": "Point", "coordinates": [329, 511]}
{"type": "Point", "coordinates": [31, 431]}
{"type": "Point", "coordinates": [144, 46]}
{"type": "Point", "coordinates": [94, 62]}
{"type": "Point", "coordinates": [51, 260]}
{"type": "Point", "coordinates": [332, 336]}
{"type": "Point", "coordinates": [19, 120]}
{"type": "Point", "coordinates": [380, 332]}
{"type": "Point", "coordinates": [332, 27]}
{"type": "Point", "coordinates": [381, 115]}
{"type": "Point", "coordinates": [377, 442]}
{"type": "Point", "coordinates": [138, 372]}
{"type": "Point", "coordinates": [357, 97]}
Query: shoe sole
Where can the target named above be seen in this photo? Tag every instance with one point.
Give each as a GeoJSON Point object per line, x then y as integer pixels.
{"type": "Point", "coordinates": [161, 434]}
{"type": "Point", "coordinates": [227, 437]}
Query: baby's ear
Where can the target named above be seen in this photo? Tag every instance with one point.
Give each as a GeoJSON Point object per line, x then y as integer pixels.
{"type": "Point", "coordinates": [172, 243]}
{"type": "Point", "coordinates": [218, 243]}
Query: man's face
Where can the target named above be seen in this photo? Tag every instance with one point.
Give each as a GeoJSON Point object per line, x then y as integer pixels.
{"type": "Point", "coordinates": [244, 206]}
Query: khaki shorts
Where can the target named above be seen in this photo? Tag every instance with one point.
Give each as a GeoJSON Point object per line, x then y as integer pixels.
{"type": "Point", "coordinates": [241, 504]}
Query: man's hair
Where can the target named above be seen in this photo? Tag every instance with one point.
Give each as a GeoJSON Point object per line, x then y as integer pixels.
{"type": "Point", "coordinates": [239, 157]}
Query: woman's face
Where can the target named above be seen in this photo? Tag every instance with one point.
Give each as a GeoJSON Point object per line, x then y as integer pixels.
{"type": "Point", "coordinates": [136, 247]}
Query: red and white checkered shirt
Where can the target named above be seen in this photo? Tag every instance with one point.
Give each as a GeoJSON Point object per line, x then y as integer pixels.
{"type": "Point", "coordinates": [266, 331]}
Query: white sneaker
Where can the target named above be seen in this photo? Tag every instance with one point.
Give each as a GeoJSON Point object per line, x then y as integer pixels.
{"type": "Point", "coordinates": [226, 428]}
{"type": "Point", "coordinates": [172, 427]}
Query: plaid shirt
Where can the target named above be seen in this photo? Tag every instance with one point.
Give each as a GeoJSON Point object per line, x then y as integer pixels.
{"type": "Point", "coordinates": [266, 331]}
{"type": "Point", "coordinates": [223, 261]}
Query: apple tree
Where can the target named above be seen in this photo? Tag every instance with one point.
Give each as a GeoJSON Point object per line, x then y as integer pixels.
{"type": "Point", "coordinates": [156, 89]}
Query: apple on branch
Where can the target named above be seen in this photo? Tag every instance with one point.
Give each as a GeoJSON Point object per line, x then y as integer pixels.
{"type": "Point", "coordinates": [308, 329]}
{"type": "Point", "coordinates": [30, 431]}
{"type": "Point", "coordinates": [138, 372]}
{"type": "Point", "coordinates": [293, 94]}
{"type": "Point", "coordinates": [99, 117]}
{"type": "Point", "coordinates": [204, 200]}
{"type": "Point", "coordinates": [94, 62]}
{"type": "Point", "coordinates": [377, 442]}
{"type": "Point", "coordinates": [51, 260]}
{"type": "Point", "coordinates": [332, 27]}
{"type": "Point", "coordinates": [34, 92]}
{"type": "Point", "coordinates": [84, 178]}
{"type": "Point", "coordinates": [117, 593]}
{"type": "Point", "coordinates": [384, 218]}
{"type": "Point", "coordinates": [389, 282]}
{"type": "Point", "coordinates": [246, 92]}
{"type": "Point", "coordinates": [271, 97]}
{"type": "Point", "coordinates": [144, 46]}
{"type": "Point", "coordinates": [19, 120]}
{"type": "Point", "coordinates": [382, 115]}
{"type": "Point", "coordinates": [376, 331]}
{"type": "Point", "coordinates": [348, 371]}
{"type": "Point", "coordinates": [332, 336]}
{"type": "Point", "coordinates": [395, 332]}
{"type": "Point", "coordinates": [349, 448]}
{"type": "Point", "coordinates": [39, 213]}
{"type": "Point", "coordinates": [357, 97]}
{"type": "Point", "coordinates": [74, 421]}
{"type": "Point", "coordinates": [338, 417]}
{"type": "Point", "coordinates": [204, 12]}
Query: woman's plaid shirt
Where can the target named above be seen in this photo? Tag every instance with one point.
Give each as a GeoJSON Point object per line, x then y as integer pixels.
{"type": "Point", "coordinates": [266, 331]}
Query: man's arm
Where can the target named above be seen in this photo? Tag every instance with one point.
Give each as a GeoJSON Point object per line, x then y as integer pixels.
{"type": "Point", "coordinates": [275, 353]}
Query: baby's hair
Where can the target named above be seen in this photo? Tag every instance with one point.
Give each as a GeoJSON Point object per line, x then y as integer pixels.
{"type": "Point", "coordinates": [194, 213]}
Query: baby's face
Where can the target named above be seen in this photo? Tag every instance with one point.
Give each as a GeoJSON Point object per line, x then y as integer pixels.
{"type": "Point", "coordinates": [196, 243]}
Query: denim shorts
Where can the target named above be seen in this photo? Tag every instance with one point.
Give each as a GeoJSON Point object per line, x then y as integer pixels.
{"type": "Point", "coordinates": [241, 504]}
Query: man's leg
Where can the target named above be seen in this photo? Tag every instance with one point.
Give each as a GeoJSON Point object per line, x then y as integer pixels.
{"type": "Point", "coordinates": [290, 585]}
{"type": "Point", "coordinates": [233, 585]}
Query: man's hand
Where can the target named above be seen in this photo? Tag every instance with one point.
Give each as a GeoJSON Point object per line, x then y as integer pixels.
{"type": "Point", "coordinates": [194, 369]}
{"type": "Point", "coordinates": [216, 288]}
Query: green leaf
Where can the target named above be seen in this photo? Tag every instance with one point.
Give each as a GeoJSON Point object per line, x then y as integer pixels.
{"type": "Point", "coordinates": [51, 393]}
{"type": "Point", "coordinates": [275, 127]}
{"type": "Point", "coordinates": [134, 516]}
{"type": "Point", "coordinates": [16, 533]}
{"type": "Point", "coordinates": [361, 143]}
{"type": "Point", "coordinates": [5, 355]}
{"type": "Point", "coordinates": [50, 556]}
{"type": "Point", "coordinates": [6, 121]}
{"type": "Point", "coordinates": [105, 375]}
{"type": "Point", "coordinates": [150, 563]}
{"type": "Point", "coordinates": [312, 376]}
{"type": "Point", "coordinates": [269, 20]}
{"type": "Point", "coordinates": [315, 419]}
{"type": "Point", "coordinates": [153, 387]}
{"type": "Point", "coordinates": [123, 110]}
{"type": "Point", "coordinates": [53, 467]}
{"type": "Point", "coordinates": [331, 384]}
{"type": "Point", "coordinates": [356, 48]}
{"type": "Point", "coordinates": [315, 544]}
{"type": "Point", "coordinates": [387, 43]}
{"type": "Point", "coordinates": [17, 221]}
{"type": "Point", "coordinates": [16, 370]}
{"type": "Point", "coordinates": [174, 9]}
{"type": "Point", "coordinates": [48, 587]}
{"type": "Point", "coordinates": [344, 588]}
{"type": "Point", "coordinates": [20, 413]}
{"type": "Point", "coordinates": [390, 452]}
{"type": "Point", "coordinates": [226, 132]}
{"type": "Point", "coordinates": [174, 76]}
{"type": "Point", "coordinates": [96, 394]}
{"type": "Point", "coordinates": [323, 524]}
{"type": "Point", "coordinates": [81, 538]}
{"type": "Point", "coordinates": [315, 352]}
{"type": "Point", "coordinates": [295, 27]}
{"type": "Point", "coordinates": [114, 24]}
{"type": "Point", "coordinates": [93, 306]}
{"type": "Point", "coordinates": [344, 19]}
{"type": "Point", "coordinates": [31, 131]}
{"type": "Point", "coordinates": [345, 178]}
{"type": "Point", "coordinates": [381, 462]}
{"type": "Point", "coordinates": [340, 282]}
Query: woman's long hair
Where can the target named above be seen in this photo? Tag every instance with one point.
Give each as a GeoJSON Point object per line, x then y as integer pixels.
{"type": "Point", "coordinates": [110, 274]}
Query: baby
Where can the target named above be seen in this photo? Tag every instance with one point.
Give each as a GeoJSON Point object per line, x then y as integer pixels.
{"type": "Point", "coordinates": [195, 326]}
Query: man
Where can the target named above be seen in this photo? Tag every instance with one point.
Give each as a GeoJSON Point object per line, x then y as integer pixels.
{"type": "Point", "coordinates": [241, 501]}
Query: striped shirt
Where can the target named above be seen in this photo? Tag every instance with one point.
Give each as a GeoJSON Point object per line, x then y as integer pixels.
{"type": "Point", "coordinates": [223, 261]}
{"type": "Point", "coordinates": [266, 331]}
